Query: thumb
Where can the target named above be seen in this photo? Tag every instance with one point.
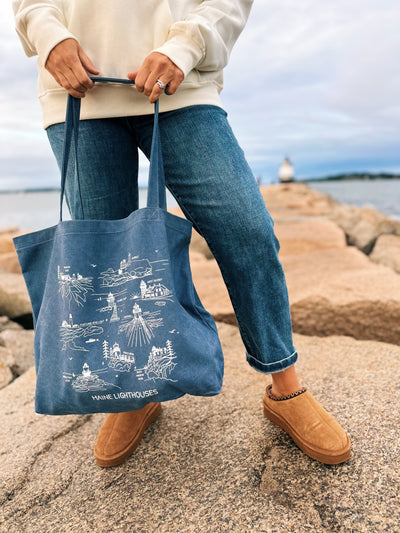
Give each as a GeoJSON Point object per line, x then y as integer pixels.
{"type": "Point", "coordinates": [86, 63]}
{"type": "Point", "coordinates": [132, 75]}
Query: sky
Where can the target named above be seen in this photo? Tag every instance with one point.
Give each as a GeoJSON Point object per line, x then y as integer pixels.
{"type": "Point", "coordinates": [316, 81]}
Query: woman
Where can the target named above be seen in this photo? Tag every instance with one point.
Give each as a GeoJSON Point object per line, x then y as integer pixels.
{"type": "Point", "coordinates": [175, 51]}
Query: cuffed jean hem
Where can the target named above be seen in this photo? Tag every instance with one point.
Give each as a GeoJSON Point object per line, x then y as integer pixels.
{"type": "Point", "coordinates": [271, 368]}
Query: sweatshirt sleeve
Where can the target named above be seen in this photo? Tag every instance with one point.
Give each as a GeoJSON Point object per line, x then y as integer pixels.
{"type": "Point", "coordinates": [40, 26]}
{"type": "Point", "coordinates": [205, 38]}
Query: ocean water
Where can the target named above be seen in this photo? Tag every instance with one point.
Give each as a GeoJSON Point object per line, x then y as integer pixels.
{"type": "Point", "coordinates": [383, 195]}
{"type": "Point", "coordinates": [37, 210]}
{"type": "Point", "coordinates": [40, 209]}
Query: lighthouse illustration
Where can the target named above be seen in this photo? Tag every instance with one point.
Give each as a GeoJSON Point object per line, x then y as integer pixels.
{"type": "Point", "coordinates": [87, 381]}
{"type": "Point", "coordinates": [86, 372]}
{"type": "Point", "coordinates": [112, 304]}
{"type": "Point", "coordinates": [154, 290]}
{"type": "Point", "coordinates": [121, 361]}
{"type": "Point", "coordinates": [161, 362]}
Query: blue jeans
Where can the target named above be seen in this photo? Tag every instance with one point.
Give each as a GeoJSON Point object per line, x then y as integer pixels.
{"type": "Point", "coordinates": [207, 173]}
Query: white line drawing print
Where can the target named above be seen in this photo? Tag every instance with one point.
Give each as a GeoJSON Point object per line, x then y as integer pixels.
{"type": "Point", "coordinates": [88, 380]}
{"type": "Point", "coordinates": [129, 269]}
{"type": "Point", "coordinates": [154, 290]}
{"type": "Point", "coordinates": [112, 304]}
{"type": "Point", "coordinates": [161, 362]}
{"type": "Point", "coordinates": [70, 332]}
{"type": "Point", "coordinates": [159, 265]}
{"type": "Point", "coordinates": [73, 287]}
{"type": "Point", "coordinates": [139, 326]}
{"type": "Point", "coordinates": [113, 299]}
{"type": "Point", "coordinates": [117, 360]}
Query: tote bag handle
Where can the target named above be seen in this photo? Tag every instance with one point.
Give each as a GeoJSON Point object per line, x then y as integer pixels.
{"type": "Point", "coordinates": [156, 196]}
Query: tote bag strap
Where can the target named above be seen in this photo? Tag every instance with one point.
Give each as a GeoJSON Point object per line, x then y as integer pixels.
{"type": "Point", "coordinates": [156, 196]}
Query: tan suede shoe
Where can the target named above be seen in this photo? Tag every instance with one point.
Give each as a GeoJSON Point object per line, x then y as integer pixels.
{"type": "Point", "coordinates": [121, 434]}
{"type": "Point", "coordinates": [314, 430]}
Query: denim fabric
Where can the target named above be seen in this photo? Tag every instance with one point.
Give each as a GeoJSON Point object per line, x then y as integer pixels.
{"type": "Point", "coordinates": [207, 173]}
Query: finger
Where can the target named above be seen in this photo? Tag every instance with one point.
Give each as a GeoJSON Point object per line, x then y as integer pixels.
{"type": "Point", "coordinates": [73, 83]}
{"type": "Point", "coordinates": [155, 93]}
{"type": "Point", "coordinates": [82, 81]}
{"type": "Point", "coordinates": [141, 77]}
{"type": "Point", "coordinates": [64, 82]}
{"type": "Point", "coordinates": [86, 62]}
{"type": "Point", "coordinates": [76, 75]}
{"type": "Point", "coordinates": [174, 83]}
{"type": "Point", "coordinates": [151, 82]}
{"type": "Point", "coordinates": [132, 75]}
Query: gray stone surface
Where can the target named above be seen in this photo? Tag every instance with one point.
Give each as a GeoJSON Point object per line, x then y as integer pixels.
{"type": "Point", "coordinates": [20, 343]}
{"type": "Point", "coordinates": [14, 298]}
{"type": "Point", "coordinates": [214, 465]}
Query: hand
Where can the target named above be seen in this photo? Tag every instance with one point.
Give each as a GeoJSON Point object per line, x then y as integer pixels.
{"type": "Point", "coordinates": [68, 63]}
{"type": "Point", "coordinates": [155, 67]}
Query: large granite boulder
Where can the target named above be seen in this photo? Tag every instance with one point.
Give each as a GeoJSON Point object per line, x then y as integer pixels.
{"type": "Point", "coordinates": [296, 198]}
{"type": "Point", "coordinates": [6, 323]}
{"type": "Point", "coordinates": [214, 465]}
{"type": "Point", "coordinates": [387, 251]}
{"type": "Point", "coordinates": [7, 367]}
{"type": "Point", "coordinates": [20, 344]}
{"type": "Point", "coordinates": [14, 298]}
{"type": "Point", "coordinates": [9, 263]}
{"type": "Point", "coordinates": [299, 235]}
{"type": "Point", "coordinates": [335, 290]}
{"type": "Point", "coordinates": [363, 226]}
{"type": "Point", "coordinates": [342, 292]}
{"type": "Point", "coordinates": [6, 243]}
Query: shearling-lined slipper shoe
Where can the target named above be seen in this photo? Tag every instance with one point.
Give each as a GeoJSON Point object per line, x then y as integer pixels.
{"type": "Point", "coordinates": [314, 430]}
{"type": "Point", "coordinates": [121, 434]}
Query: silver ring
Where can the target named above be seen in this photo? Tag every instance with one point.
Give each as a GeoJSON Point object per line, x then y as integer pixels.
{"type": "Point", "coordinates": [161, 84]}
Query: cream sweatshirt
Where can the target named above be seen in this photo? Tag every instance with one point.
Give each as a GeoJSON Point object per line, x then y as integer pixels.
{"type": "Point", "coordinates": [197, 35]}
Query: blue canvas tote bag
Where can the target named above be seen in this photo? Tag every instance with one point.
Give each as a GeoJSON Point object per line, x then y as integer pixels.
{"type": "Point", "coordinates": [118, 323]}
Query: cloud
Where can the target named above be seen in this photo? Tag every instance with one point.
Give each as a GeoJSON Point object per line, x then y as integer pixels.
{"type": "Point", "coordinates": [318, 80]}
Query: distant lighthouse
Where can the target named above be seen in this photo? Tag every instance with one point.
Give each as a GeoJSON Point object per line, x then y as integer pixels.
{"type": "Point", "coordinates": [286, 171]}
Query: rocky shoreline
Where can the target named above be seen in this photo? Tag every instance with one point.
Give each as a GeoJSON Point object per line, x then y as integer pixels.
{"type": "Point", "coordinates": [225, 466]}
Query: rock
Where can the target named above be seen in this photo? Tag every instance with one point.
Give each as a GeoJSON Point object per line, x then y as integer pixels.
{"type": "Point", "coordinates": [9, 263]}
{"type": "Point", "coordinates": [336, 291]}
{"type": "Point", "coordinates": [214, 464]}
{"type": "Point", "coordinates": [341, 292]}
{"type": "Point", "coordinates": [363, 226]}
{"type": "Point", "coordinates": [298, 236]}
{"type": "Point", "coordinates": [6, 376]}
{"type": "Point", "coordinates": [387, 251]}
{"type": "Point", "coordinates": [14, 298]}
{"type": "Point", "coordinates": [20, 344]}
{"type": "Point", "coordinates": [6, 243]}
{"type": "Point", "coordinates": [7, 365]}
{"type": "Point", "coordinates": [199, 244]}
{"type": "Point", "coordinates": [296, 198]}
{"type": "Point", "coordinates": [11, 230]}
{"type": "Point", "coordinates": [346, 216]}
{"type": "Point", "coordinates": [6, 323]}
